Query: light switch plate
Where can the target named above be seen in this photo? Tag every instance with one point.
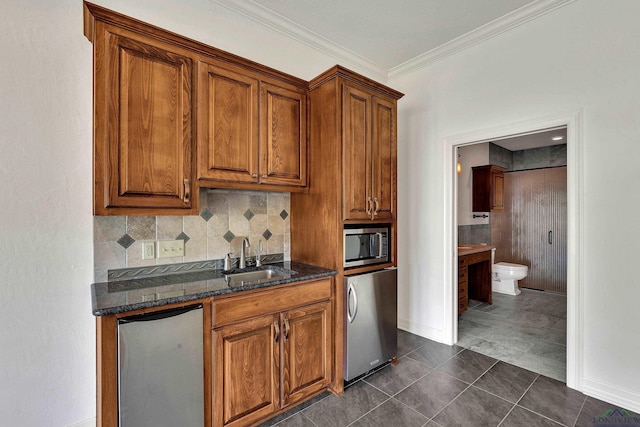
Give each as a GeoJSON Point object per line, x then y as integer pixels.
{"type": "Point", "coordinates": [170, 248]}
{"type": "Point", "coordinates": [148, 250]}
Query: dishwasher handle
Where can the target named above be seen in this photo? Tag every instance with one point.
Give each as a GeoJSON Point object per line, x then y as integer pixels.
{"type": "Point", "coordinates": [352, 291]}
{"type": "Point", "coordinates": [159, 315]}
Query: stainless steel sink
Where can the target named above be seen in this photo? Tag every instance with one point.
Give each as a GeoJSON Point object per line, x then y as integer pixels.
{"type": "Point", "coordinates": [267, 274]}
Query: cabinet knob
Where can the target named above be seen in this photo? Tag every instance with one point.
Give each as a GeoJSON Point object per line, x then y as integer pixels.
{"type": "Point", "coordinates": [265, 176]}
{"type": "Point", "coordinates": [255, 175]}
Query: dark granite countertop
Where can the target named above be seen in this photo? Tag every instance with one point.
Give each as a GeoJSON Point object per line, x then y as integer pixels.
{"type": "Point", "coordinates": [119, 296]}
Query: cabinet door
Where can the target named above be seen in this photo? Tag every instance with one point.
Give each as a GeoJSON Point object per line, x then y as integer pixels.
{"type": "Point", "coordinates": [356, 119]}
{"type": "Point", "coordinates": [246, 371]}
{"type": "Point", "coordinates": [283, 145]}
{"type": "Point", "coordinates": [227, 124]}
{"type": "Point", "coordinates": [497, 190]}
{"type": "Point", "coordinates": [384, 158]}
{"type": "Point", "coordinates": [306, 351]}
{"type": "Point", "coordinates": [143, 137]}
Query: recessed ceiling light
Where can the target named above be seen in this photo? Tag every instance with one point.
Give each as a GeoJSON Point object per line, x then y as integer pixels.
{"type": "Point", "coordinates": [557, 138]}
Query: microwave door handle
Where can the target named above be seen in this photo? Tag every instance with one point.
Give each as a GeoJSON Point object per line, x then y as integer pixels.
{"type": "Point", "coordinates": [352, 291]}
{"type": "Point", "coordinates": [379, 245]}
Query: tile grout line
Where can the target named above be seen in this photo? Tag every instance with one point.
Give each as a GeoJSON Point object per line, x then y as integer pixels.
{"type": "Point", "coordinates": [580, 411]}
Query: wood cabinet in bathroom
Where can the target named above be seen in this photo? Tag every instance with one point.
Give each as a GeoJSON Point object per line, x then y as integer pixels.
{"type": "Point", "coordinates": [488, 188]}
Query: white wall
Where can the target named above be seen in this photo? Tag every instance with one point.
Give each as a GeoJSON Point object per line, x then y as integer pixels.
{"type": "Point", "coordinates": [581, 57]}
{"type": "Point", "coordinates": [47, 339]}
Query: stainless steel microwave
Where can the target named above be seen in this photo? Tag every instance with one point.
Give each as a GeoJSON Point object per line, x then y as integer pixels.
{"type": "Point", "coordinates": [364, 246]}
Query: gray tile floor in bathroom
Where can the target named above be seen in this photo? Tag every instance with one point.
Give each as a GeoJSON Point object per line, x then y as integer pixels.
{"type": "Point", "coordinates": [527, 330]}
{"type": "Point", "coordinates": [440, 385]}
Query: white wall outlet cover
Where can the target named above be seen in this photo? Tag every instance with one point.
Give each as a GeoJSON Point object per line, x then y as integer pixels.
{"type": "Point", "coordinates": [148, 250]}
{"type": "Point", "coordinates": [170, 248]}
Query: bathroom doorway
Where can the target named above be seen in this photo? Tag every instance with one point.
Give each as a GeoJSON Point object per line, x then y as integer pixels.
{"type": "Point", "coordinates": [530, 329]}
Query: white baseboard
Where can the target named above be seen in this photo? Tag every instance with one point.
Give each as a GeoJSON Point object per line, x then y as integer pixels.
{"type": "Point", "coordinates": [85, 423]}
{"type": "Point", "coordinates": [422, 330]}
{"type": "Point", "coordinates": [623, 398]}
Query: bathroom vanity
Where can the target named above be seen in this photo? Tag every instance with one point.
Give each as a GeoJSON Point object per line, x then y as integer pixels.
{"type": "Point", "coordinates": [474, 274]}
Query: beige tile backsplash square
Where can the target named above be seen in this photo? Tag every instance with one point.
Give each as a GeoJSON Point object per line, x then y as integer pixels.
{"type": "Point", "coordinates": [118, 239]}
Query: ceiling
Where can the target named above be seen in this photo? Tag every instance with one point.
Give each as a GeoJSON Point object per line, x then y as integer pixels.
{"type": "Point", "coordinates": [387, 36]}
{"type": "Point", "coordinates": [534, 140]}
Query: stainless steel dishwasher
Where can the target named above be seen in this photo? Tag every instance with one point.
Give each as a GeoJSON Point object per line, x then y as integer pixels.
{"type": "Point", "coordinates": [371, 321]}
{"type": "Point", "coordinates": [160, 369]}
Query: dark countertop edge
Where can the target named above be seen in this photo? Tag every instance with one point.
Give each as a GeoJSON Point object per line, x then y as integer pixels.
{"type": "Point", "coordinates": [186, 298]}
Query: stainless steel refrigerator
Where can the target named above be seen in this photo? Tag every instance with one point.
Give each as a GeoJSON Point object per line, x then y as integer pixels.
{"type": "Point", "coordinates": [160, 369]}
{"type": "Point", "coordinates": [371, 322]}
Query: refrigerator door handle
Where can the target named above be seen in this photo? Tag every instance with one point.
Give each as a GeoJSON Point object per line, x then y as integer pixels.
{"type": "Point", "coordinates": [352, 291]}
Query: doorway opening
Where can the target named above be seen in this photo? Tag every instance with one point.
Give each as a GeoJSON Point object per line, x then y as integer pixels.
{"type": "Point", "coordinates": [522, 233]}
{"type": "Point", "coordinates": [549, 320]}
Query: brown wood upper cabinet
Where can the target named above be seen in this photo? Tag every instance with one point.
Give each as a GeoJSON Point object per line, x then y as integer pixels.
{"type": "Point", "coordinates": [369, 144]}
{"type": "Point", "coordinates": [153, 89]}
{"type": "Point", "coordinates": [488, 188]}
{"type": "Point", "coordinates": [251, 132]}
{"type": "Point", "coordinates": [143, 139]}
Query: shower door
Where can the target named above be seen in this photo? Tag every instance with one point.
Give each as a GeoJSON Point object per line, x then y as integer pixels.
{"type": "Point", "coordinates": [537, 201]}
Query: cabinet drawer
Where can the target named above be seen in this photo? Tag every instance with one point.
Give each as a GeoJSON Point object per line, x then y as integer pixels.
{"type": "Point", "coordinates": [463, 274]}
{"type": "Point", "coordinates": [479, 257]}
{"type": "Point", "coordinates": [462, 261]}
{"type": "Point", "coordinates": [235, 308]}
{"type": "Point", "coordinates": [462, 305]}
{"type": "Point", "coordinates": [462, 290]}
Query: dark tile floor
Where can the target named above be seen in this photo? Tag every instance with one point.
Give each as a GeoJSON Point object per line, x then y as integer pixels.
{"type": "Point", "coordinates": [527, 330]}
{"type": "Point", "coordinates": [439, 385]}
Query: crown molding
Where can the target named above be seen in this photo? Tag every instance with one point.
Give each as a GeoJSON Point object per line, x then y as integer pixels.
{"type": "Point", "coordinates": [304, 35]}
{"type": "Point", "coordinates": [494, 28]}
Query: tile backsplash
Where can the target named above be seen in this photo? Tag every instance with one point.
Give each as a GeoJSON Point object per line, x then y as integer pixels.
{"type": "Point", "coordinates": [225, 215]}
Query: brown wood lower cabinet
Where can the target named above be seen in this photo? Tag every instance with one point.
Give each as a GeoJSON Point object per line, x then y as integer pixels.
{"type": "Point", "coordinates": [264, 364]}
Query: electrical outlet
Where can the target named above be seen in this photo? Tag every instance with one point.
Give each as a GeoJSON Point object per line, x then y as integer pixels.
{"type": "Point", "coordinates": [170, 248]}
{"type": "Point", "coordinates": [148, 250]}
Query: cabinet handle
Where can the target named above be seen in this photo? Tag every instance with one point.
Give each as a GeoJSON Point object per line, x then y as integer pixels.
{"type": "Point", "coordinates": [286, 328]}
{"type": "Point", "coordinates": [254, 175]}
{"type": "Point", "coordinates": [377, 206]}
{"type": "Point", "coordinates": [187, 191]}
{"type": "Point", "coordinates": [369, 207]}
{"type": "Point", "coordinates": [352, 291]}
{"type": "Point", "coordinates": [277, 330]}
{"type": "Point", "coordinates": [265, 176]}
{"type": "Point", "coordinates": [550, 237]}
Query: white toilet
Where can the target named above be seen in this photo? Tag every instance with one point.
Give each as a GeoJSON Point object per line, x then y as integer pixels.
{"type": "Point", "coordinates": [505, 276]}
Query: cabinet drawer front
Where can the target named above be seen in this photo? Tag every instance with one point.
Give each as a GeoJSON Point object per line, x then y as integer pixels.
{"type": "Point", "coordinates": [235, 308]}
{"type": "Point", "coordinates": [462, 305]}
{"type": "Point", "coordinates": [479, 257]}
{"type": "Point", "coordinates": [462, 290]}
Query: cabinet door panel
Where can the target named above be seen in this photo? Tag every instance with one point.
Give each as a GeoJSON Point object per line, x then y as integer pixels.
{"type": "Point", "coordinates": [228, 124]}
{"type": "Point", "coordinates": [283, 148]}
{"type": "Point", "coordinates": [356, 153]}
{"type": "Point", "coordinates": [307, 351]}
{"type": "Point", "coordinates": [149, 140]}
{"type": "Point", "coordinates": [247, 371]}
{"type": "Point", "coordinates": [384, 158]}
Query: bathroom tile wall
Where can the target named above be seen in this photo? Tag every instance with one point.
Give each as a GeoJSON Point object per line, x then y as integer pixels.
{"type": "Point", "coordinates": [543, 157]}
{"type": "Point", "coordinates": [475, 234]}
{"type": "Point", "coordinates": [224, 217]}
{"type": "Point", "coordinates": [500, 156]}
